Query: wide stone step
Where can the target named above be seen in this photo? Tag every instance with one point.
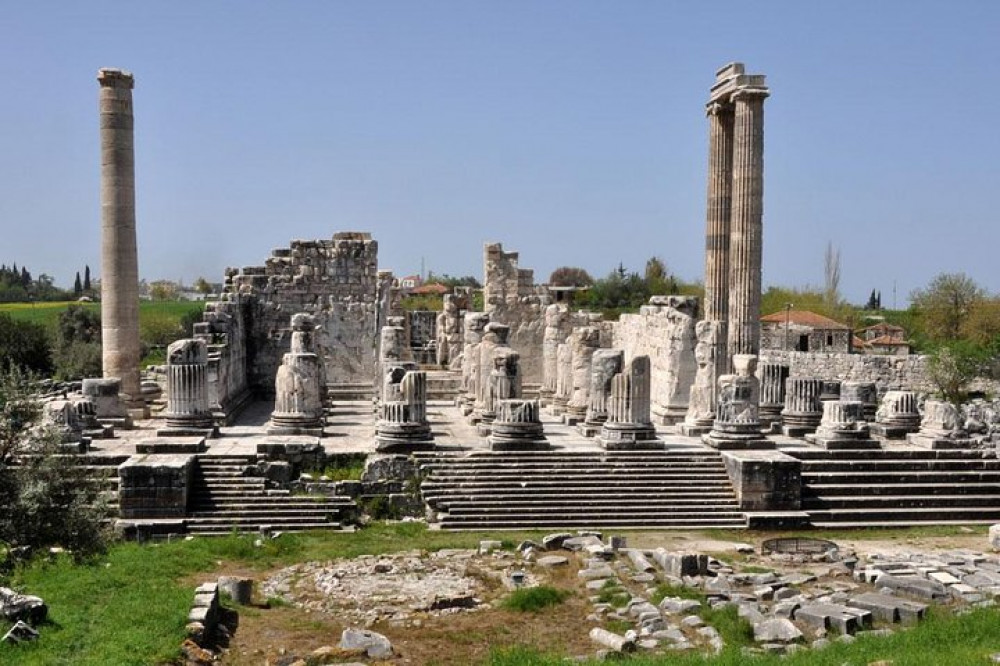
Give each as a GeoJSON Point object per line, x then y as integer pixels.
{"type": "Point", "coordinates": [884, 454]}
{"type": "Point", "coordinates": [901, 501]}
{"type": "Point", "coordinates": [720, 521]}
{"type": "Point", "coordinates": [295, 515]}
{"type": "Point", "coordinates": [554, 495]}
{"type": "Point", "coordinates": [212, 529]}
{"type": "Point", "coordinates": [907, 515]}
{"type": "Point", "coordinates": [509, 470]}
{"type": "Point", "coordinates": [899, 465]}
{"type": "Point", "coordinates": [849, 489]}
{"type": "Point", "coordinates": [891, 477]}
{"type": "Point", "coordinates": [578, 485]}
{"type": "Point", "coordinates": [591, 509]}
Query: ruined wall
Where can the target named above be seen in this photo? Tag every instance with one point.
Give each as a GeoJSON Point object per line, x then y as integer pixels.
{"type": "Point", "coordinates": [664, 331]}
{"type": "Point", "coordinates": [334, 280]}
{"type": "Point", "coordinates": [888, 372]}
{"type": "Point", "coordinates": [509, 297]}
{"type": "Point", "coordinates": [224, 328]}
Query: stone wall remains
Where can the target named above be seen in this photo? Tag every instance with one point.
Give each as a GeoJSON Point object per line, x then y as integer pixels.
{"type": "Point", "coordinates": [888, 372]}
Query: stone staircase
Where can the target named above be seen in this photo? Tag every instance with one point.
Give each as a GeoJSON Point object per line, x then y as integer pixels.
{"type": "Point", "coordinates": [898, 487]}
{"type": "Point", "coordinates": [225, 497]}
{"type": "Point", "coordinates": [675, 488]}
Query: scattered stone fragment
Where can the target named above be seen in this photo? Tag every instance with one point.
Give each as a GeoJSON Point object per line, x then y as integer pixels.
{"type": "Point", "coordinates": [776, 630]}
{"type": "Point", "coordinates": [15, 607]}
{"type": "Point", "coordinates": [21, 632]}
{"type": "Point", "coordinates": [553, 561]}
{"type": "Point", "coordinates": [612, 640]}
{"type": "Point", "coordinates": [375, 645]}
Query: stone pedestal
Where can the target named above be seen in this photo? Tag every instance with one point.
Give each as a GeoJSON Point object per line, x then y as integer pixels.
{"type": "Point", "coordinates": [628, 426]}
{"type": "Point", "coordinates": [584, 342]}
{"type": "Point", "coordinates": [864, 392]}
{"type": "Point", "coordinates": [843, 427]}
{"type": "Point", "coordinates": [107, 402]}
{"type": "Point", "coordinates": [402, 424]}
{"type": "Point", "coordinates": [772, 394]}
{"type": "Point", "coordinates": [803, 410]}
{"type": "Point", "coordinates": [737, 425]}
{"type": "Point", "coordinates": [60, 416]}
{"type": "Point", "coordinates": [119, 259]}
{"type": "Point", "coordinates": [298, 403]}
{"type": "Point", "coordinates": [702, 401]}
{"type": "Point", "coordinates": [504, 384]}
{"type": "Point", "coordinates": [941, 428]}
{"type": "Point", "coordinates": [518, 427]}
{"type": "Point", "coordinates": [188, 411]}
{"type": "Point", "coordinates": [605, 365]}
{"type": "Point", "coordinates": [155, 486]}
{"type": "Point", "coordinates": [897, 415]}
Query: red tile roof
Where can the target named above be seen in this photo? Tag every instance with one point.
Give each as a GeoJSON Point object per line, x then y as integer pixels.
{"type": "Point", "coordinates": [804, 318]}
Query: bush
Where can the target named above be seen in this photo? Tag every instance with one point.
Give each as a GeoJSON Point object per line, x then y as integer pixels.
{"type": "Point", "coordinates": [24, 345]}
{"type": "Point", "coordinates": [48, 499]}
{"type": "Point", "coordinates": [534, 599]}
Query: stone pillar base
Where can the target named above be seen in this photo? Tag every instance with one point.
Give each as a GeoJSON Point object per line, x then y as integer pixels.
{"type": "Point", "coordinates": [208, 433]}
{"type": "Point", "coordinates": [843, 443]}
{"type": "Point", "coordinates": [591, 427]}
{"type": "Point", "coordinates": [891, 431]}
{"type": "Point", "coordinates": [797, 425]}
{"type": "Point", "coordinates": [737, 441]}
{"type": "Point", "coordinates": [630, 437]}
{"type": "Point", "coordinates": [518, 437]}
{"type": "Point", "coordinates": [403, 437]}
{"type": "Point", "coordinates": [939, 443]}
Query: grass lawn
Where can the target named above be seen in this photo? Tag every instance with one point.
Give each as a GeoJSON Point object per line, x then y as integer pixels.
{"type": "Point", "coordinates": [47, 313]}
{"type": "Point", "coordinates": [130, 607]}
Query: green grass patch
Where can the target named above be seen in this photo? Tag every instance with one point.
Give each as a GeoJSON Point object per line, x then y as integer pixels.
{"type": "Point", "coordinates": [534, 599]}
{"type": "Point", "coordinates": [613, 594]}
{"type": "Point", "coordinates": [664, 590]}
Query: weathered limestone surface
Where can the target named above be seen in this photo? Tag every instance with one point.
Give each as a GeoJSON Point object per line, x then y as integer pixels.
{"type": "Point", "coordinates": [402, 425]}
{"type": "Point", "coordinates": [605, 365]}
{"type": "Point", "coordinates": [564, 378]}
{"type": "Point", "coordinates": [664, 330]}
{"type": "Point", "coordinates": [475, 326]}
{"type": "Point", "coordinates": [803, 409]}
{"type": "Point", "coordinates": [584, 342]}
{"type": "Point", "coordinates": [223, 329]}
{"type": "Point", "coordinates": [494, 336]}
{"type": "Point", "coordinates": [155, 486]}
{"type": "Point", "coordinates": [888, 372]}
{"type": "Point", "coordinates": [556, 324]}
{"type": "Point", "coordinates": [104, 393]}
{"type": "Point", "coordinates": [188, 410]}
{"type": "Point", "coordinates": [864, 392]}
{"type": "Point", "coordinates": [897, 415]}
{"type": "Point", "coordinates": [518, 426]}
{"type": "Point", "coordinates": [843, 426]}
{"type": "Point", "coordinates": [941, 427]}
{"type": "Point", "coordinates": [449, 333]}
{"type": "Point", "coordinates": [703, 395]}
{"type": "Point", "coordinates": [772, 392]}
{"type": "Point", "coordinates": [504, 384]}
{"type": "Point", "coordinates": [334, 280]}
{"type": "Point", "coordinates": [119, 257]}
{"type": "Point", "coordinates": [765, 480]}
{"type": "Point", "coordinates": [737, 425]}
{"type": "Point", "coordinates": [628, 424]}
{"type": "Point", "coordinates": [298, 401]}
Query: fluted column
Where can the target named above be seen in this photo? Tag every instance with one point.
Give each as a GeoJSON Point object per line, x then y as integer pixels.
{"type": "Point", "coordinates": [772, 392]}
{"type": "Point", "coordinates": [745, 244]}
{"type": "Point", "coordinates": [897, 415]}
{"type": "Point", "coordinates": [604, 365]}
{"type": "Point", "coordinates": [720, 197]}
{"type": "Point", "coordinates": [803, 409]}
{"type": "Point", "coordinates": [628, 425]}
{"type": "Point", "coordinates": [119, 258]}
{"type": "Point", "coordinates": [402, 424]}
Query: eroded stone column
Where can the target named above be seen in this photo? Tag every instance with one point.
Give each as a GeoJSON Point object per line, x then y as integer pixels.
{"type": "Point", "coordinates": [584, 342]}
{"type": "Point", "coordinates": [604, 366]}
{"type": "Point", "coordinates": [897, 415]}
{"type": "Point", "coordinates": [564, 378]}
{"type": "Point", "coordinates": [628, 425]}
{"type": "Point", "coordinates": [402, 424]}
{"type": "Point", "coordinates": [702, 401]}
{"type": "Point", "coordinates": [772, 393]}
{"type": "Point", "coordinates": [803, 409]}
{"type": "Point", "coordinates": [864, 392]}
{"type": "Point", "coordinates": [746, 231]}
{"type": "Point", "coordinates": [737, 424]}
{"type": "Point", "coordinates": [720, 199]}
{"type": "Point", "coordinates": [518, 426]}
{"type": "Point", "coordinates": [298, 400]}
{"type": "Point", "coordinates": [188, 410]}
{"type": "Point", "coordinates": [504, 384]}
{"type": "Point", "coordinates": [843, 427]}
{"type": "Point", "coordinates": [494, 335]}
{"type": "Point", "coordinates": [119, 256]}
{"type": "Point", "coordinates": [475, 324]}
{"type": "Point", "coordinates": [555, 317]}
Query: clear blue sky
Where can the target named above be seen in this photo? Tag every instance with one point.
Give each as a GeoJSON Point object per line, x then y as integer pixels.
{"type": "Point", "coordinates": [573, 132]}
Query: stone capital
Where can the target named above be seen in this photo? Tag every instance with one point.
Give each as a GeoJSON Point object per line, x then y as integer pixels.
{"type": "Point", "coordinates": [115, 78]}
{"type": "Point", "coordinates": [717, 109]}
{"type": "Point", "coordinates": [750, 94]}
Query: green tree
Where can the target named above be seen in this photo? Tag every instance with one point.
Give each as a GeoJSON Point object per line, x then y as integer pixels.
{"type": "Point", "coordinates": [952, 367]}
{"type": "Point", "coordinates": [203, 286]}
{"type": "Point", "coordinates": [77, 285]}
{"type": "Point", "coordinates": [86, 278]}
{"type": "Point", "coordinates": [945, 306]}
{"type": "Point", "coordinates": [78, 343]}
{"type": "Point", "coordinates": [570, 276]}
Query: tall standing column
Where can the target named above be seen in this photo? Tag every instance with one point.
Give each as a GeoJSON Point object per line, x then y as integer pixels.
{"type": "Point", "coordinates": [745, 243]}
{"type": "Point", "coordinates": [720, 196]}
{"type": "Point", "coordinates": [119, 263]}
